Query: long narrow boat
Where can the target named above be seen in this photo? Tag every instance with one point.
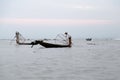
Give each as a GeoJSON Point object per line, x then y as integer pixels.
{"type": "Point", "coordinates": [44, 44]}
{"type": "Point", "coordinates": [50, 45]}
{"type": "Point", "coordinates": [24, 43]}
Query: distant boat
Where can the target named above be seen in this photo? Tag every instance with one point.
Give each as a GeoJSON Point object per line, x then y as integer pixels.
{"type": "Point", "coordinates": [88, 39]}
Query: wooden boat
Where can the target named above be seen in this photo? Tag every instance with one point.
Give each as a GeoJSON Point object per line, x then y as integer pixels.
{"type": "Point", "coordinates": [89, 39]}
{"type": "Point", "coordinates": [24, 43]}
{"type": "Point", "coordinates": [51, 45]}
{"type": "Point", "coordinates": [44, 44]}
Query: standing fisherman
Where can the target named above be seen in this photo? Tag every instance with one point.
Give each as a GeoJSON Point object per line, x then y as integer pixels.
{"type": "Point", "coordinates": [68, 39]}
{"type": "Point", "coordinates": [17, 37]}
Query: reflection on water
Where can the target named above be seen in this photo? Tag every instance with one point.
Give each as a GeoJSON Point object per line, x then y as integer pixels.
{"type": "Point", "coordinates": [81, 62]}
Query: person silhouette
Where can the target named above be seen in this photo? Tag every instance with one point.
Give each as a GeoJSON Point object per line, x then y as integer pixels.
{"type": "Point", "coordinates": [68, 38]}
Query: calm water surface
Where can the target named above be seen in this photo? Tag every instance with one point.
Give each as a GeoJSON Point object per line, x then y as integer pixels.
{"type": "Point", "coordinates": [95, 60]}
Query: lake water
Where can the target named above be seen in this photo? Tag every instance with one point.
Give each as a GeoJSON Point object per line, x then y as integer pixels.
{"type": "Point", "coordinates": [94, 60]}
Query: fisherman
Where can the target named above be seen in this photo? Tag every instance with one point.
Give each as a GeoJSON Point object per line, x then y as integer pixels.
{"type": "Point", "coordinates": [68, 39]}
{"type": "Point", "coordinates": [17, 37]}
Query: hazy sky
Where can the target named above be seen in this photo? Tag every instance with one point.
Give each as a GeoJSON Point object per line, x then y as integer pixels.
{"type": "Point", "coordinates": [47, 18]}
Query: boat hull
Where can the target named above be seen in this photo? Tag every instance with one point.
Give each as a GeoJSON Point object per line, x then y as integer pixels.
{"type": "Point", "coordinates": [51, 45]}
